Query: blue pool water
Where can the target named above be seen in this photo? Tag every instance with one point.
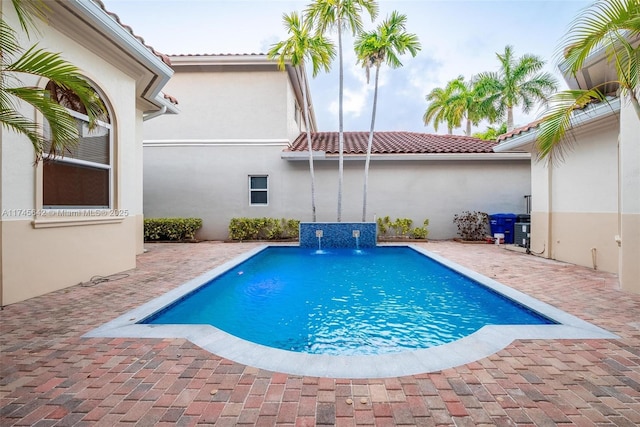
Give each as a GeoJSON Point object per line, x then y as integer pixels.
{"type": "Point", "coordinates": [343, 302]}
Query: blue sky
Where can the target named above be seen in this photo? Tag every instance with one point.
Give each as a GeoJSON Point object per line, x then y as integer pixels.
{"type": "Point", "coordinates": [458, 38]}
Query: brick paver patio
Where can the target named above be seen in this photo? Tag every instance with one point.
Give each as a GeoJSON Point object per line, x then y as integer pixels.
{"type": "Point", "coordinates": [52, 376]}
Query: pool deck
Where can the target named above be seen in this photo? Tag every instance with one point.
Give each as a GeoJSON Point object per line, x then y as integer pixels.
{"type": "Point", "coordinates": [51, 375]}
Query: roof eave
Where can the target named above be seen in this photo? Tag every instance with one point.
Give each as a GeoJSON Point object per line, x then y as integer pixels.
{"type": "Point", "coordinates": [580, 118]}
{"type": "Point", "coordinates": [321, 155]}
{"type": "Point", "coordinates": [156, 72]}
{"type": "Point", "coordinates": [220, 59]}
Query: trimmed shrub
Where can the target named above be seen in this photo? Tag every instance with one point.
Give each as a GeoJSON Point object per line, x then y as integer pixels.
{"type": "Point", "coordinates": [263, 229]}
{"type": "Point", "coordinates": [172, 229]}
{"type": "Point", "coordinates": [401, 228]}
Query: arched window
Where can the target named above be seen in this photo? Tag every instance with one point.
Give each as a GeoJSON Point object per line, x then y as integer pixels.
{"type": "Point", "coordinates": [82, 177]}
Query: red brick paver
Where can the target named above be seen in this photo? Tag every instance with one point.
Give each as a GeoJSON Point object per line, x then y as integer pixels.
{"type": "Point", "coordinates": [52, 376]}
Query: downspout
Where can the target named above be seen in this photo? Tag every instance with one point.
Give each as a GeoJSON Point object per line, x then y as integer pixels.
{"type": "Point", "coordinates": [155, 114]}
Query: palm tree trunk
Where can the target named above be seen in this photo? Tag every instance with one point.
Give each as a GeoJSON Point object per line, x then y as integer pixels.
{"type": "Point", "coordinates": [369, 145]}
{"type": "Point", "coordinates": [307, 128]}
{"type": "Point", "coordinates": [468, 131]}
{"type": "Point", "coordinates": [340, 124]}
{"type": "Point", "coordinates": [509, 119]}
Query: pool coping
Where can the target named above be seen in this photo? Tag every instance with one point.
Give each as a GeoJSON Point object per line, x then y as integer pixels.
{"type": "Point", "coordinates": [484, 342]}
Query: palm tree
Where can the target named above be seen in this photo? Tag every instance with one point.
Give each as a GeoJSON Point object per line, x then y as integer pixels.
{"type": "Point", "coordinates": [467, 104]}
{"type": "Point", "coordinates": [300, 46]}
{"type": "Point", "coordinates": [373, 48]}
{"type": "Point", "coordinates": [608, 25]}
{"type": "Point", "coordinates": [492, 133]}
{"type": "Point", "coordinates": [441, 108]}
{"type": "Point", "coordinates": [518, 82]}
{"type": "Point", "coordinates": [39, 62]}
{"type": "Point", "coordinates": [342, 15]}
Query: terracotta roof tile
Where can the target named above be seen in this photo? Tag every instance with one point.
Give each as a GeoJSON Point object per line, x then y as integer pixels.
{"type": "Point", "coordinates": [519, 130]}
{"type": "Point", "coordinates": [393, 143]}
{"type": "Point", "coordinates": [171, 99]}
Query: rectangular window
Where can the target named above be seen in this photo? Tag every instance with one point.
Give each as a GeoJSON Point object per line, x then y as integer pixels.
{"type": "Point", "coordinates": [82, 177]}
{"type": "Point", "coordinates": [259, 190]}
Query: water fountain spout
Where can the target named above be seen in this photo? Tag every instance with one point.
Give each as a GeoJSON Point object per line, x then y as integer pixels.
{"type": "Point", "coordinates": [319, 236]}
{"type": "Point", "coordinates": [356, 235]}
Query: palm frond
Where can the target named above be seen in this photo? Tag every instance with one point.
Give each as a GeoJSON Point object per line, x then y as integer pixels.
{"type": "Point", "coordinates": [8, 41]}
{"type": "Point", "coordinates": [63, 128]}
{"type": "Point", "coordinates": [593, 28]}
{"type": "Point", "coordinates": [551, 135]}
{"type": "Point", "coordinates": [27, 10]}
{"type": "Point", "coordinates": [52, 66]}
{"type": "Point", "coordinates": [303, 44]}
{"type": "Point", "coordinates": [12, 120]}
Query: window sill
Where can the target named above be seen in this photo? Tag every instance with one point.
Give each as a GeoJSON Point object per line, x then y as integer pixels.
{"type": "Point", "coordinates": [75, 221]}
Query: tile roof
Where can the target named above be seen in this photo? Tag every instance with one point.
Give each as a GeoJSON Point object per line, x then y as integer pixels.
{"type": "Point", "coordinates": [522, 129]}
{"type": "Point", "coordinates": [519, 130]}
{"type": "Point", "coordinates": [393, 143]}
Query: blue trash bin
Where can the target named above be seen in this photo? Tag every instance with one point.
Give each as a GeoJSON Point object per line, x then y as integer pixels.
{"type": "Point", "coordinates": [503, 223]}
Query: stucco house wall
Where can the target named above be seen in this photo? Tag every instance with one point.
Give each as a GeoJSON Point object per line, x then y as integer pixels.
{"type": "Point", "coordinates": [45, 250]}
{"type": "Point", "coordinates": [226, 99]}
{"type": "Point", "coordinates": [629, 198]}
{"type": "Point", "coordinates": [415, 189]}
{"type": "Point", "coordinates": [239, 118]}
{"type": "Point", "coordinates": [575, 201]}
{"type": "Point", "coordinates": [586, 206]}
{"type": "Point", "coordinates": [216, 187]}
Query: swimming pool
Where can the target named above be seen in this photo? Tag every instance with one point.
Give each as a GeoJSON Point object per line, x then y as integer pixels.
{"type": "Point", "coordinates": [482, 343]}
{"type": "Point", "coordinates": [345, 302]}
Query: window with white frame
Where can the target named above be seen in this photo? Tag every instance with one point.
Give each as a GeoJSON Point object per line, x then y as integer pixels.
{"type": "Point", "coordinates": [83, 177]}
{"type": "Point", "coordinates": [258, 189]}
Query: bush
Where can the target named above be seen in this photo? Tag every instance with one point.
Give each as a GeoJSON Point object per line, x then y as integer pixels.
{"type": "Point", "coordinates": [401, 227]}
{"type": "Point", "coordinates": [173, 229]}
{"type": "Point", "coordinates": [471, 225]}
{"type": "Point", "coordinates": [421, 232]}
{"type": "Point", "coordinates": [263, 229]}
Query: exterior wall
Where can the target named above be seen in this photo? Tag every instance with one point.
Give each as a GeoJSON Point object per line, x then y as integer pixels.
{"type": "Point", "coordinates": [575, 201]}
{"type": "Point", "coordinates": [211, 182]}
{"type": "Point", "coordinates": [226, 105]}
{"type": "Point", "coordinates": [629, 269]}
{"type": "Point", "coordinates": [39, 260]}
{"type": "Point", "coordinates": [294, 116]}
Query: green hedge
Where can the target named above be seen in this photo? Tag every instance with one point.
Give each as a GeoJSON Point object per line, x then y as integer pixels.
{"type": "Point", "coordinates": [263, 228]}
{"type": "Point", "coordinates": [401, 228]}
{"type": "Point", "coordinates": [173, 229]}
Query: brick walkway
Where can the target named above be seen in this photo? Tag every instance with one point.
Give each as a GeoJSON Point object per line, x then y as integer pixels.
{"type": "Point", "coordinates": [52, 376]}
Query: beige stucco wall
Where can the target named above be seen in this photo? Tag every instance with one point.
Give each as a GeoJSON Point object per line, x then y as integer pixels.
{"type": "Point", "coordinates": [44, 260]}
{"type": "Point", "coordinates": [629, 269]}
{"type": "Point", "coordinates": [226, 105]}
{"type": "Point", "coordinates": [235, 122]}
{"type": "Point", "coordinates": [575, 200]}
{"type": "Point", "coordinates": [211, 182]}
{"type": "Point", "coordinates": [39, 260]}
